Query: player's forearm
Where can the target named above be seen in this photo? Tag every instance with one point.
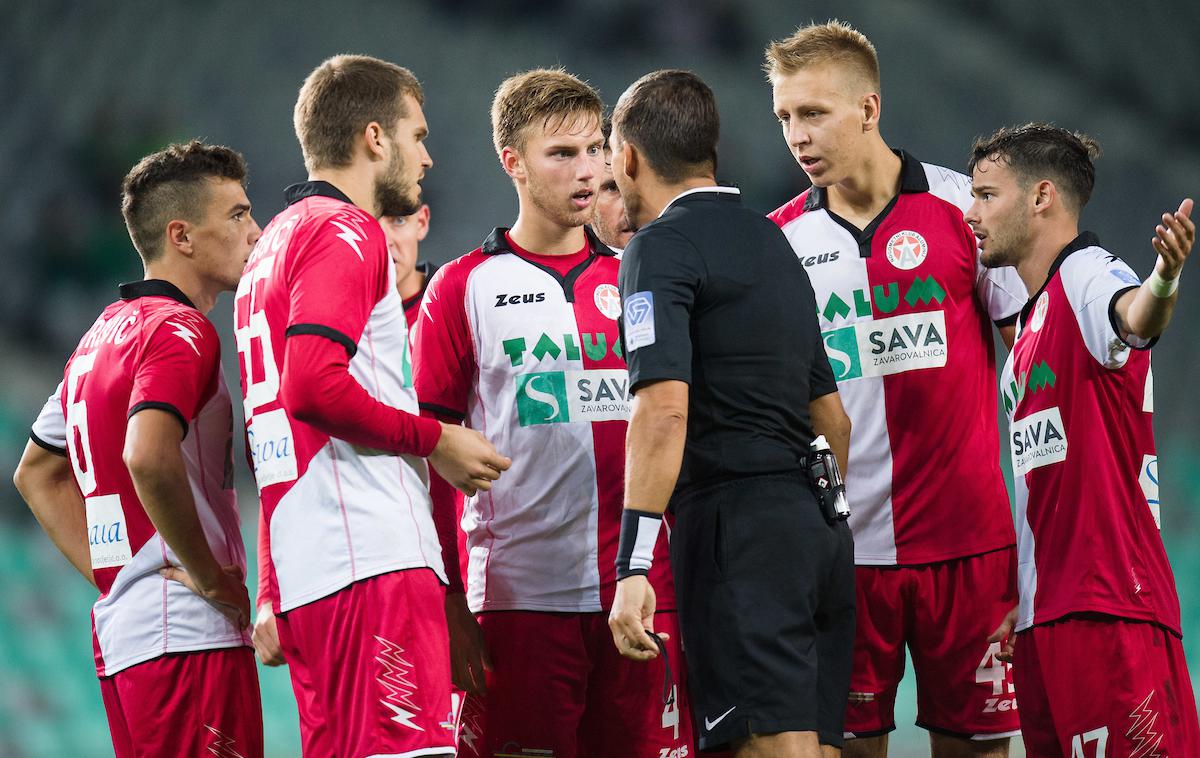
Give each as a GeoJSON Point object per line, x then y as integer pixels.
{"type": "Point", "coordinates": [160, 479]}
{"type": "Point", "coordinates": [1147, 314]}
{"type": "Point", "coordinates": [317, 388]}
{"type": "Point", "coordinates": [48, 487]}
{"type": "Point", "coordinates": [829, 418]}
{"type": "Point", "coordinates": [653, 452]}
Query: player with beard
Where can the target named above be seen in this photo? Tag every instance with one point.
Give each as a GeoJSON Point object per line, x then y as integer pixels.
{"type": "Point", "coordinates": [610, 223]}
{"type": "Point", "coordinates": [355, 572]}
{"type": "Point", "coordinates": [519, 339]}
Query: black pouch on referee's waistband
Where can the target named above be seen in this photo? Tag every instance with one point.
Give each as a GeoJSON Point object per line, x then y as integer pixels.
{"type": "Point", "coordinates": [826, 480]}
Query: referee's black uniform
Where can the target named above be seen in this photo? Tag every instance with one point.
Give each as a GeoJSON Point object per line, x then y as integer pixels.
{"type": "Point", "coordinates": [714, 296]}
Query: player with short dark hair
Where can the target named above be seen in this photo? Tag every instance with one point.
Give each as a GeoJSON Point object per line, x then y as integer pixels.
{"type": "Point", "coordinates": [732, 385]}
{"type": "Point", "coordinates": [1098, 659]}
{"type": "Point", "coordinates": [906, 312]}
{"type": "Point", "coordinates": [355, 570]}
{"type": "Point", "coordinates": [610, 223]}
{"type": "Point", "coordinates": [130, 470]}
{"type": "Point", "coordinates": [519, 339]}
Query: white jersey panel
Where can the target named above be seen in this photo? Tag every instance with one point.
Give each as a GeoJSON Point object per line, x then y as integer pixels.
{"type": "Point", "coordinates": [1091, 277]}
{"type": "Point", "coordinates": [51, 426]}
{"type": "Point", "coordinates": [545, 507]}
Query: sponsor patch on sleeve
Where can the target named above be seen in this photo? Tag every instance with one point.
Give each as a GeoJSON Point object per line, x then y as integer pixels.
{"type": "Point", "coordinates": [639, 320]}
{"type": "Point", "coordinates": [1124, 276]}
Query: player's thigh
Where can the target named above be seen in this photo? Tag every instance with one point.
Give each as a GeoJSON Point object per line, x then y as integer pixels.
{"type": "Point", "coordinates": [118, 724]}
{"type": "Point", "coordinates": [963, 689]}
{"type": "Point", "coordinates": [949, 746]}
{"type": "Point", "coordinates": [866, 747]}
{"type": "Point", "coordinates": [378, 656]}
{"type": "Point", "coordinates": [781, 745]}
{"type": "Point", "coordinates": [314, 729]}
{"type": "Point", "coordinates": [536, 690]}
{"type": "Point", "coordinates": [637, 708]}
{"type": "Point", "coordinates": [882, 597]}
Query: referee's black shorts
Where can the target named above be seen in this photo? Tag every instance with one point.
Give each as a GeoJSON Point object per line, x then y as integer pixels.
{"type": "Point", "coordinates": [765, 591]}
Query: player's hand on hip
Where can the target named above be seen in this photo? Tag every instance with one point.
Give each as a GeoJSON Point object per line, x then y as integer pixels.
{"type": "Point", "coordinates": [465, 459]}
{"type": "Point", "coordinates": [1173, 240]}
{"type": "Point", "coordinates": [1004, 634]}
{"type": "Point", "coordinates": [227, 591]}
{"type": "Point", "coordinates": [265, 637]}
{"type": "Point", "coordinates": [631, 619]}
{"type": "Point", "coordinates": [469, 660]}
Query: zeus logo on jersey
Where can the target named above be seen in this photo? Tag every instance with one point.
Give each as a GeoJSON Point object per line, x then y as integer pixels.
{"type": "Point", "coordinates": [816, 260]}
{"type": "Point", "coordinates": [883, 299]}
{"type": "Point", "coordinates": [561, 397]}
{"type": "Point", "coordinates": [503, 299]}
{"type": "Point", "coordinates": [887, 346]}
{"type": "Point", "coordinates": [1038, 440]}
{"type": "Point", "coordinates": [108, 538]}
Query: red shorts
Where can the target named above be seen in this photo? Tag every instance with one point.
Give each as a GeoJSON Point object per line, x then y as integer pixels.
{"type": "Point", "coordinates": [561, 688]}
{"type": "Point", "coordinates": [186, 704]}
{"type": "Point", "coordinates": [944, 612]}
{"type": "Point", "coordinates": [370, 666]}
{"type": "Point", "coordinates": [1095, 686]}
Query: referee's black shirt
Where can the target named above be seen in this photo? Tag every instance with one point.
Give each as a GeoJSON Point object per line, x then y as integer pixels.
{"type": "Point", "coordinates": [714, 296]}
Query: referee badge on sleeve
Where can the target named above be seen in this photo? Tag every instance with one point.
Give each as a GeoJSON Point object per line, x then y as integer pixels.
{"type": "Point", "coordinates": [639, 320]}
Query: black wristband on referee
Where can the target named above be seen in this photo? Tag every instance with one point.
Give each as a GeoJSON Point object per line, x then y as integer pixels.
{"type": "Point", "coordinates": [639, 534]}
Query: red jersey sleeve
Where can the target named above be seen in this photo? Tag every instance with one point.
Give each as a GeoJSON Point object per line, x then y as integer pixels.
{"type": "Point", "coordinates": [444, 365]}
{"type": "Point", "coordinates": [178, 367]}
{"type": "Point", "coordinates": [337, 277]}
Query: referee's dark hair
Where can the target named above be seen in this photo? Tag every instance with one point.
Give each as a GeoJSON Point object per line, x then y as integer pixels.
{"type": "Point", "coordinates": [671, 117]}
{"type": "Point", "coordinates": [170, 185]}
{"type": "Point", "coordinates": [1039, 151]}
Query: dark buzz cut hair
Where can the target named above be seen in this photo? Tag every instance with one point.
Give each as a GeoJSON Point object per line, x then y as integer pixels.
{"type": "Point", "coordinates": [543, 96]}
{"type": "Point", "coordinates": [1038, 151]}
{"type": "Point", "coordinates": [671, 117]}
{"type": "Point", "coordinates": [171, 184]}
{"type": "Point", "coordinates": [340, 97]}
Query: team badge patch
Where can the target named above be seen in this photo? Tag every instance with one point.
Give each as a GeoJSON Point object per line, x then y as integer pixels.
{"type": "Point", "coordinates": [1038, 317]}
{"type": "Point", "coordinates": [906, 250]}
{"type": "Point", "coordinates": [639, 320]}
{"type": "Point", "coordinates": [608, 301]}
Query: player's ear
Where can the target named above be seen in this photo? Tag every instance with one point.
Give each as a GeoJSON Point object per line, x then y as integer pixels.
{"type": "Point", "coordinates": [422, 219]}
{"type": "Point", "coordinates": [372, 139]}
{"type": "Point", "coordinates": [1045, 195]}
{"type": "Point", "coordinates": [178, 235]}
{"type": "Point", "coordinates": [870, 107]}
{"type": "Point", "coordinates": [511, 161]}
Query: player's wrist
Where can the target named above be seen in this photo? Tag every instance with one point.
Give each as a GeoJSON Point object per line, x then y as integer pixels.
{"type": "Point", "coordinates": [639, 535]}
{"type": "Point", "coordinates": [1162, 285]}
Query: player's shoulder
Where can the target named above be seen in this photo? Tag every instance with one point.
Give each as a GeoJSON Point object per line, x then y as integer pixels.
{"type": "Point", "coordinates": [168, 320]}
{"type": "Point", "coordinates": [1089, 262]}
{"type": "Point", "coordinates": [948, 185]}
{"type": "Point", "coordinates": [791, 210]}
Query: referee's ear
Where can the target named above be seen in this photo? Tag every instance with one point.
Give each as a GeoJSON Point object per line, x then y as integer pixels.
{"type": "Point", "coordinates": [631, 165]}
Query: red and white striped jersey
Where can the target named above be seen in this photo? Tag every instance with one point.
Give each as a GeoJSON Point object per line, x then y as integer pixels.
{"type": "Point", "coordinates": [336, 512]}
{"type": "Point", "coordinates": [1079, 397]}
{"type": "Point", "coordinates": [906, 312]}
{"type": "Point", "coordinates": [151, 349]}
{"type": "Point", "coordinates": [531, 357]}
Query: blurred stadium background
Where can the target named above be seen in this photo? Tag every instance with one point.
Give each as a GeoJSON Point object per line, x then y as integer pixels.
{"type": "Point", "coordinates": [89, 87]}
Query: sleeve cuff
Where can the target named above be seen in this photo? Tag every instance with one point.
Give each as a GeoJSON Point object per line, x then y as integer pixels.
{"type": "Point", "coordinates": [429, 432]}
{"type": "Point", "coordinates": [43, 444]}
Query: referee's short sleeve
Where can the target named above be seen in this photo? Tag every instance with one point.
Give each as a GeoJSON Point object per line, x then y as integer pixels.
{"type": "Point", "coordinates": [661, 274]}
{"type": "Point", "coordinates": [820, 376]}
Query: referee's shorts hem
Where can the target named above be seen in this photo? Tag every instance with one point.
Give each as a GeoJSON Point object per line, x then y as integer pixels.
{"type": "Point", "coordinates": [740, 730]}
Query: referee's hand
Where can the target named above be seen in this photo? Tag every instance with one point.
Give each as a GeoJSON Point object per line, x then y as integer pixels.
{"type": "Point", "coordinates": [631, 617]}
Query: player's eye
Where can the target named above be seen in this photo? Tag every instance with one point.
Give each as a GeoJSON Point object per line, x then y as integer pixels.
{"type": "Point", "coordinates": [812, 114]}
{"type": "Point", "coordinates": [783, 117]}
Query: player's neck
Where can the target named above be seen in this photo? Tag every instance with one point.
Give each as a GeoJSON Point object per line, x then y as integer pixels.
{"type": "Point", "coordinates": [1044, 248]}
{"type": "Point", "coordinates": [538, 234]}
{"type": "Point", "coordinates": [356, 184]}
{"type": "Point", "coordinates": [203, 297]}
{"type": "Point", "coordinates": [869, 187]}
{"type": "Point", "coordinates": [657, 195]}
{"type": "Point", "coordinates": [410, 285]}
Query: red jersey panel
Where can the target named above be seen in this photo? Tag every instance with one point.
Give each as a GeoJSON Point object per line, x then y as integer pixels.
{"type": "Point", "coordinates": [150, 350]}
{"type": "Point", "coordinates": [1080, 402]}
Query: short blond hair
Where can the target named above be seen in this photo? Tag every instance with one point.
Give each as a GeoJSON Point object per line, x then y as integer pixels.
{"type": "Point", "coordinates": [540, 96]}
{"type": "Point", "coordinates": [816, 44]}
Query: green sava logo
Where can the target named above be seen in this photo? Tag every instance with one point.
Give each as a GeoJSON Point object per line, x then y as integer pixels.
{"type": "Point", "coordinates": [1040, 377]}
{"type": "Point", "coordinates": [542, 398]}
{"type": "Point", "coordinates": [562, 397]}
{"type": "Point", "coordinates": [884, 297]}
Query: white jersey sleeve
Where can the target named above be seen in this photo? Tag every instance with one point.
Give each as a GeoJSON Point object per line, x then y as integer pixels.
{"type": "Point", "coordinates": [1093, 279]}
{"type": "Point", "coordinates": [50, 428]}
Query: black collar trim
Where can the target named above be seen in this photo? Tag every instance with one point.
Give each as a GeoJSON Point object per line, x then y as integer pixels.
{"type": "Point", "coordinates": [497, 244]}
{"type": "Point", "coordinates": [154, 288]}
{"type": "Point", "coordinates": [912, 179]}
{"type": "Point", "coordinates": [1083, 241]}
{"type": "Point", "coordinates": [297, 192]}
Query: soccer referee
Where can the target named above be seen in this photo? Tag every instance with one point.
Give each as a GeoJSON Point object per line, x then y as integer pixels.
{"type": "Point", "coordinates": [731, 383]}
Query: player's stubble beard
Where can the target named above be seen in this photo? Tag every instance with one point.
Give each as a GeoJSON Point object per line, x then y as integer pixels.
{"type": "Point", "coordinates": [546, 200]}
{"type": "Point", "coordinates": [394, 194]}
{"type": "Point", "coordinates": [1008, 242]}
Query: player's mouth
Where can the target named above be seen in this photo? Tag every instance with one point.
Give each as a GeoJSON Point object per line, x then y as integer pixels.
{"type": "Point", "coordinates": [808, 163]}
{"type": "Point", "coordinates": [582, 199]}
{"type": "Point", "coordinates": [981, 236]}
